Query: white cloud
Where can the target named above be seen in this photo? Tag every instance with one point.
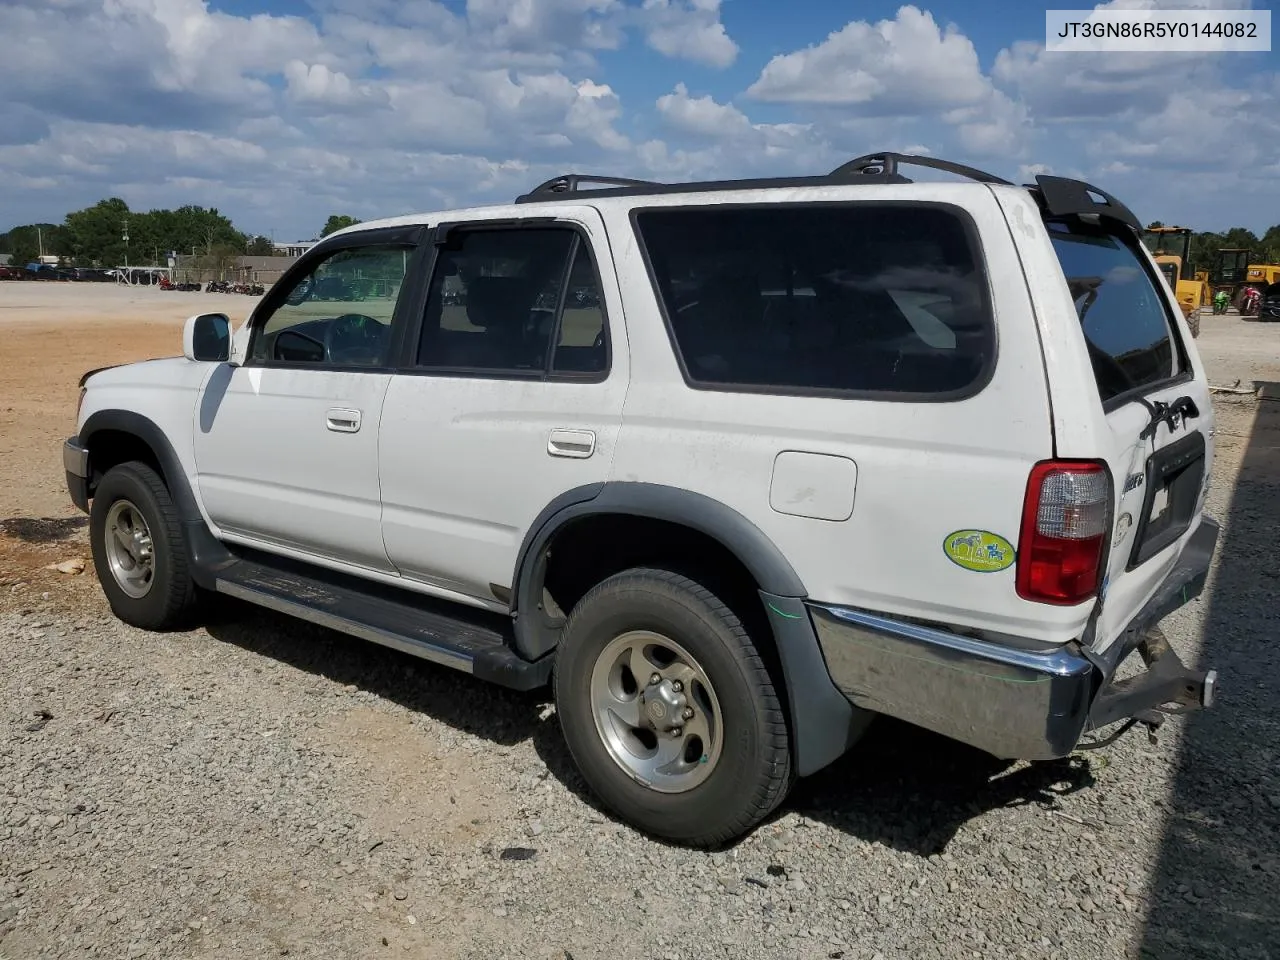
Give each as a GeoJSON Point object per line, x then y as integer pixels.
{"type": "Point", "coordinates": [540, 24]}
{"type": "Point", "coordinates": [701, 116]}
{"type": "Point", "coordinates": [907, 67]}
{"type": "Point", "coordinates": [904, 65]}
{"type": "Point", "coordinates": [320, 86]}
{"type": "Point", "coordinates": [689, 30]}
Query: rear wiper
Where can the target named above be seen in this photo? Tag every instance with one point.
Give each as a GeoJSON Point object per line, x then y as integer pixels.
{"type": "Point", "coordinates": [1184, 408]}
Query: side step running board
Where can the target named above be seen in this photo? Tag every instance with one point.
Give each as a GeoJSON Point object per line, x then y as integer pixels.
{"type": "Point", "coordinates": [451, 635]}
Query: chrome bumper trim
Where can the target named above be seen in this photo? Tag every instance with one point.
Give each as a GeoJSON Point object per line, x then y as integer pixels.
{"type": "Point", "coordinates": [1010, 702]}
{"type": "Point", "coordinates": [75, 458]}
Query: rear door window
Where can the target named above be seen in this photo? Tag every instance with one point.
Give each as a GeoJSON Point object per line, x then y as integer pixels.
{"type": "Point", "coordinates": [863, 298]}
{"type": "Point", "coordinates": [1122, 310]}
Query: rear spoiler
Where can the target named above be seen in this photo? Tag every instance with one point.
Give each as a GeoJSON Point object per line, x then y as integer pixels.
{"type": "Point", "coordinates": [1062, 197]}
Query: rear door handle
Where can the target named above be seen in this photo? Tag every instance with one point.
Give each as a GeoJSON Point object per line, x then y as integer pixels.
{"type": "Point", "coordinates": [342, 420]}
{"type": "Point", "coordinates": [575, 444]}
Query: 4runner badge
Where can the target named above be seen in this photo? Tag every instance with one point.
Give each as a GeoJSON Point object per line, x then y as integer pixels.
{"type": "Point", "coordinates": [978, 550]}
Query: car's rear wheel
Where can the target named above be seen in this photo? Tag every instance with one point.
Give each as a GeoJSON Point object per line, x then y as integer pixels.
{"type": "Point", "coordinates": [139, 551]}
{"type": "Point", "coordinates": [669, 710]}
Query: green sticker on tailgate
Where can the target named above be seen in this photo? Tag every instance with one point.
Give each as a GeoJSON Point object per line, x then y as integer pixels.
{"type": "Point", "coordinates": [978, 550]}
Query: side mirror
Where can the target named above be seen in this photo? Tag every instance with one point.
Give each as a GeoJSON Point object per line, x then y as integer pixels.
{"type": "Point", "coordinates": [207, 337]}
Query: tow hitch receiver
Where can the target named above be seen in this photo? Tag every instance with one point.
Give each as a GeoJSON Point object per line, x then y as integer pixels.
{"type": "Point", "coordinates": [1167, 687]}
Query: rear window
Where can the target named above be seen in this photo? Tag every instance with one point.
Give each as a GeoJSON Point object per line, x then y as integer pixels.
{"type": "Point", "coordinates": [1122, 310]}
{"type": "Point", "coordinates": [850, 298]}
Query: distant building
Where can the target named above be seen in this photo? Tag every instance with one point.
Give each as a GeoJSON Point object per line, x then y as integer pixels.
{"type": "Point", "coordinates": [263, 270]}
{"type": "Point", "coordinates": [241, 269]}
{"type": "Point", "coordinates": [293, 250]}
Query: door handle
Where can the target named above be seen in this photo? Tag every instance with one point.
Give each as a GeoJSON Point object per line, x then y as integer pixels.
{"type": "Point", "coordinates": [575, 444]}
{"type": "Point", "coordinates": [342, 420]}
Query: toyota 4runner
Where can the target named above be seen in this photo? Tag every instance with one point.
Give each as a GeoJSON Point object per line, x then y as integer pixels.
{"type": "Point", "coordinates": [735, 466]}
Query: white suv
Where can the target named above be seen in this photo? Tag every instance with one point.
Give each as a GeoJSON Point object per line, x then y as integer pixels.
{"type": "Point", "coordinates": [735, 465]}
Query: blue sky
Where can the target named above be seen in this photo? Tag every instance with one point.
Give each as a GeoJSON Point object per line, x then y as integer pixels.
{"type": "Point", "coordinates": [280, 112]}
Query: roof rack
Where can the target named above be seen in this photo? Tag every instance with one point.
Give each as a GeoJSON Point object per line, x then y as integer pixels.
{"type": "Point", "coordinates": [571, 183]}
{"type": "Point", "coordinates": [886, 164]}
{"type": "Point", "coordinates": [1058, 196]}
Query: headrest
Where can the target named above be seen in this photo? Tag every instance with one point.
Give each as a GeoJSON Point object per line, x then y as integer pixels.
{"type": "Point", "coordinates": [498, 301]}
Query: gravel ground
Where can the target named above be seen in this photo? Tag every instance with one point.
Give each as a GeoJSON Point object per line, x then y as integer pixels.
{"type": "Point", "coordinates": [261, 788]}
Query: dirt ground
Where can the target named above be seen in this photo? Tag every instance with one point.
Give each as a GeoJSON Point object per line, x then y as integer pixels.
{"type": "Point", "coordinates": [51, 334]}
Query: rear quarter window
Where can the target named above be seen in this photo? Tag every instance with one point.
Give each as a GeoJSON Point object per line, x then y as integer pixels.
{"type": "Point", "coordinates": [864, 298]}
{"type": "Point", "coordinates": [1123, 312]}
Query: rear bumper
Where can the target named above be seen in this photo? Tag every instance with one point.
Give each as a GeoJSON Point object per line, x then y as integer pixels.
{"type": "Point", "coordinates": [75, 461]}
{"type": "Point", "coordinates": [1012, 702]}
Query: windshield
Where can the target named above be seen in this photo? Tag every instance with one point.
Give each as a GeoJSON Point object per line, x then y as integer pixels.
{"type": "Point", "coordinates": [1122, 311]}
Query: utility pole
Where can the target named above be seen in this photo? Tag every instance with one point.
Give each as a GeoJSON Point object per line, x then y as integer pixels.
{"type": "Point", "coordinates": [126, 242]}
{"type": "Point", "coordinates": [40, 241]}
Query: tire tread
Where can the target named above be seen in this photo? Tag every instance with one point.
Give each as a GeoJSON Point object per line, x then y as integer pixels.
{"type": "Point", "coordinates": [774, 781]}
{"type": "Point", "coordinates": [180, 589]}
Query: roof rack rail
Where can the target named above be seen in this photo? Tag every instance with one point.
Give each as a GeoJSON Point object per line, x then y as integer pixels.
{"type": "Point", "coordinates": [571, 183]}
{"type": "Point", "coordinates": [881, 168]}
{"type": "Point", "coordinates": [886, 164]}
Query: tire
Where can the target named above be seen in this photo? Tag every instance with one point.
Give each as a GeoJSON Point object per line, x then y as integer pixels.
{"type": "Point", "coordinates": [1193, 321]}
{"type": "Point", "coordinates": [163, 597]}
{"type": "Point", "coordinates": [727, 784]}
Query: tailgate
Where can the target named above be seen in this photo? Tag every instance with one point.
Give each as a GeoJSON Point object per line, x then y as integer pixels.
{"type": "Point", "coordinates": [1155, 405]}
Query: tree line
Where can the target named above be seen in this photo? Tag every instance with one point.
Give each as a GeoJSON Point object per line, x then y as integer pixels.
{"type": "Point", "coordinates": [109, 234]}
{"type": "Point", "coordinates": [96, 237]}
{"type": "Point", "coordinates": [1264, 249]}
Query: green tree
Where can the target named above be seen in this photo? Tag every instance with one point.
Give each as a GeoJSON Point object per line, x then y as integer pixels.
{"type": "Point", "coordinates": [1270, 245]}
{"type": "Point", "coordinates": [205, 227]}
{"type": "Point", "coordinates": [25, 243]}
{"type": "Point", "coordinates": [1204, 250]}
{"type": "Point", "coordinates": [22, 249]}
{"type": "Point", "coordinates": [1241, 238]}
{"type": "Point", "coordinates": [259, 247]}
{"type": "Point", "coordinates": [336, 222]}
{"type": "Point", "coordinates": [97, 233]}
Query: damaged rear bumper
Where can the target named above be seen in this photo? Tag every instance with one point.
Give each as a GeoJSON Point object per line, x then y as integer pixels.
{"type": "Point", "coordinates": [1012, 702]}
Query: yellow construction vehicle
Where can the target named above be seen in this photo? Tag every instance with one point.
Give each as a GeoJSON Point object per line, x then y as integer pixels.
{"type": "Point", "coordinates": [1262, 274]}
{"type": "Point", "coordinates": [1171, 249]}
{"type": "Point", "coordinates": [1230, 271]}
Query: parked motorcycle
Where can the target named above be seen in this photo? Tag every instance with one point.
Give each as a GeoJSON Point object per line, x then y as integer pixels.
{"type": "Point", "coordinates": [1221, 300]}
{"type": "Point", "coordinates": [1250, 302]}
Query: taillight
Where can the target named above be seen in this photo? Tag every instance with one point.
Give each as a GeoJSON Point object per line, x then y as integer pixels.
{"type": "Point", "coordinates": [1065, 519]}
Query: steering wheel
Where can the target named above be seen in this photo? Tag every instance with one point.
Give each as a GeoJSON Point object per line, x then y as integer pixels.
{"type": "Point", "coordinates": [354, 338]}
{"type": "Point", "coordinates": [301, 292]}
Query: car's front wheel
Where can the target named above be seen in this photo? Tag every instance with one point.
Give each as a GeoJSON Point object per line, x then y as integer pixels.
{"type": "Point", "coordinates": [139, 552]}
{"type": "Point", "coordinates": [669, 710]}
